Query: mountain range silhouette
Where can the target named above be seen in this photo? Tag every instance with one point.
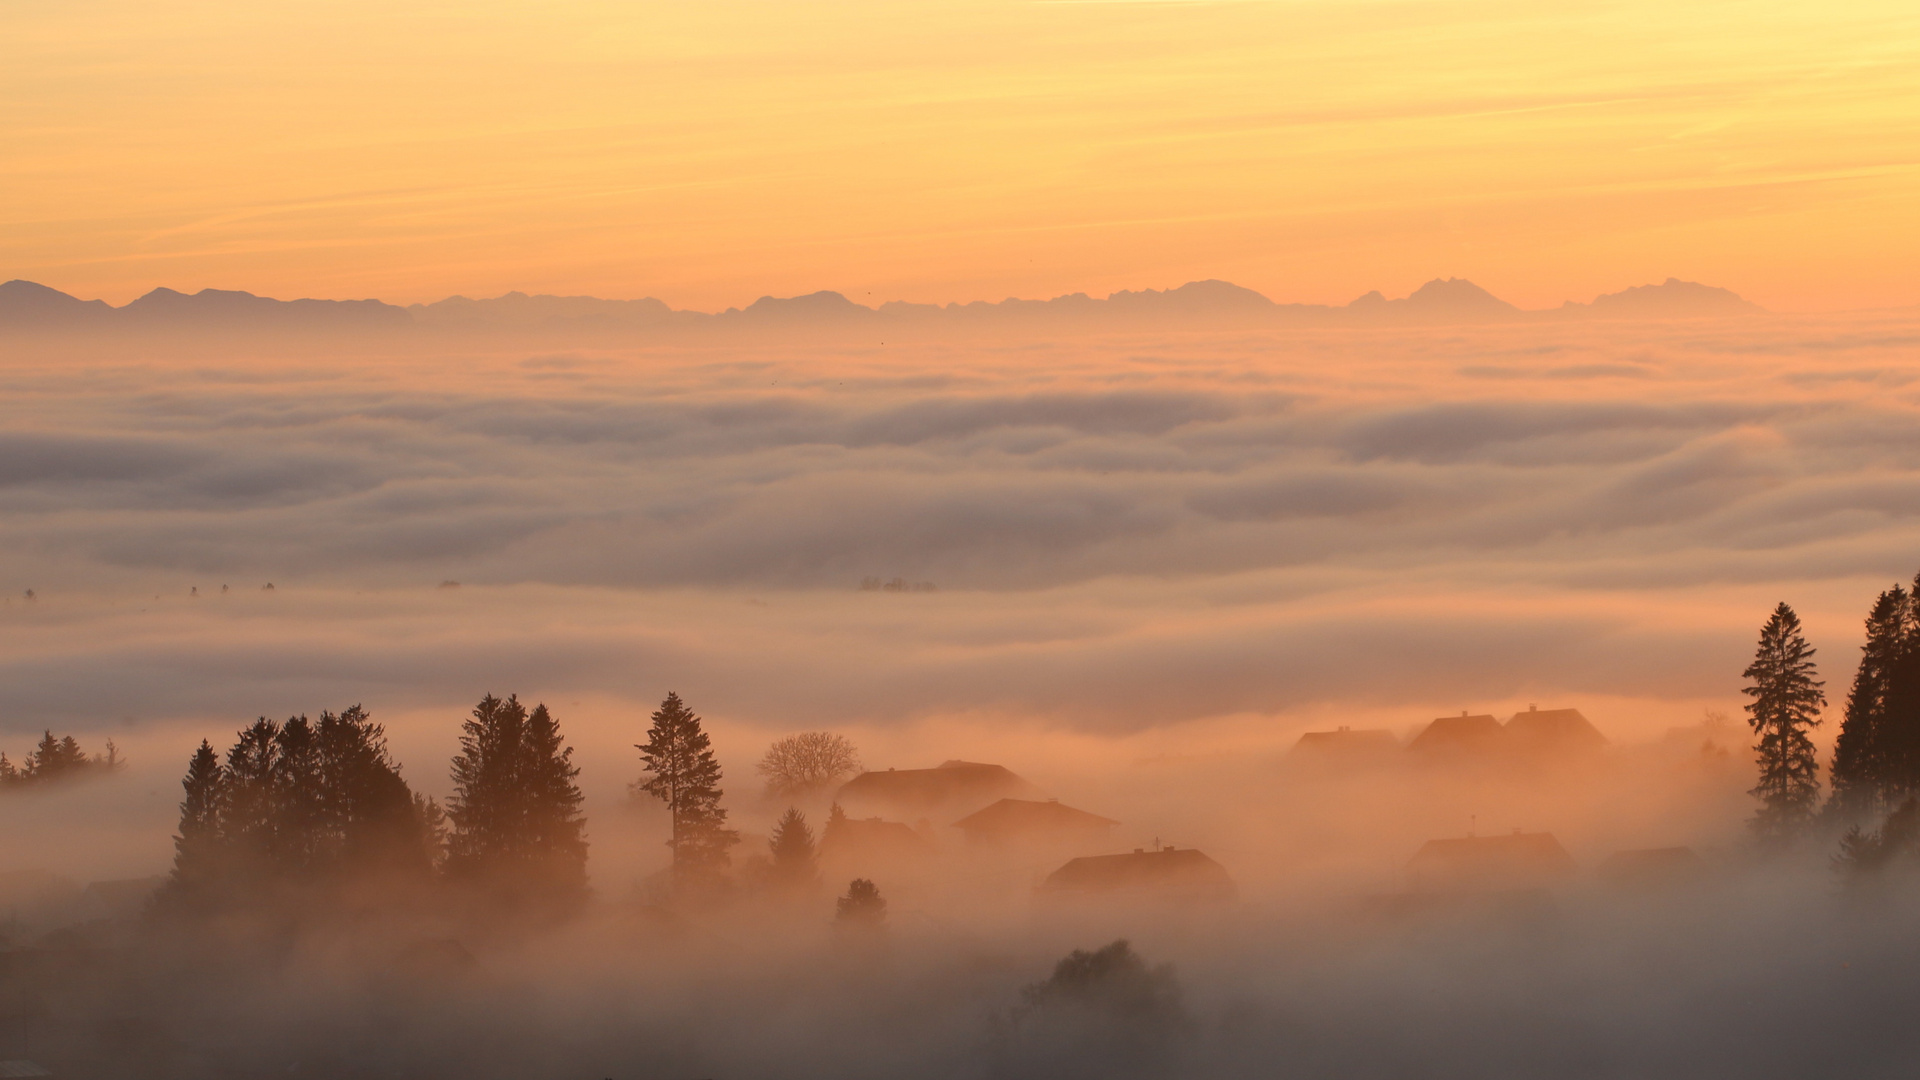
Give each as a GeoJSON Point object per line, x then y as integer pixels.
{"type": "Point", "coordinates": [28, 306]}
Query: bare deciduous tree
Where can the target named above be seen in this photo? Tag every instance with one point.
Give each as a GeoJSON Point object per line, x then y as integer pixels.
{"type": "Point", "coordinates": [808, 762]}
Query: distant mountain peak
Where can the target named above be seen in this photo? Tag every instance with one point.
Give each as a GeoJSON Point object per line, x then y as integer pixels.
{"type": "Point", "coordinates": [1671, 299]}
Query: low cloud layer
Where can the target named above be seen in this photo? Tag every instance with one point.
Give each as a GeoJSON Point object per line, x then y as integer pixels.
{"type": "Point", "coordinates": [1126, 532]}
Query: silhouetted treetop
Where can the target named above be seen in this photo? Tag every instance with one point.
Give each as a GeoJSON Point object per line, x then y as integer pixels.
{"type": "Point", "coordinates": [54, 760]}
{"type": "Point", "coordinates": [1786, 703]}
{"type": "Point", "coordinates": [515, 815]}
{"type": "Point", "coordinates": [682, 772]}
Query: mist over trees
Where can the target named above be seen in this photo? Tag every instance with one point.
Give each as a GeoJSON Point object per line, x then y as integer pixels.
{"type": "Point", "coordinates": [683, 773]}
{"type": "Point", "coordinates": [1786, 703]}
{"type": "Point", "coordinates": [54, 760]}
{"type": "Point", "coordinates": [1100, 1014]}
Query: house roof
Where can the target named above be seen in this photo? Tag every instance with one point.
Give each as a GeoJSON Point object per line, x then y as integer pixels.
{"type": "Point", "coordinates": [1501, 860]}
{"type": "Point", "coordinates": [1463, 732]}
{"type": "Point", "coordinates": [1179, 869]}
{"type": "Point", "coordinates": [1649, 865]}
{"type": "Point", "coordinates": [1346, 741]}
{"type": "Point", "coordinates": [951, 781]}
{"type": "Point", "coordinates": [1555, 729]}
{"type": "Point", "coordinates": [1029, 815]}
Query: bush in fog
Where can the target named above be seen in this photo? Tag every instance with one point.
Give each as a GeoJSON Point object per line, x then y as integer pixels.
{"type": "Point", "coordinates": [862, 906]}
{"type": "Point", "coordinates": [682, 772]}
{"type": "Point", "coordinates": [516, 829]}
{"type": "Point", "coordinates": [811, 761]}
{"type": "Point", "coordinates": [1786, 703]}
{"type": "Point", "coordinates": [1103, 1013]}
{"type": "Point", "coordinates": [58, 759]}
{"type": "Point", "coordinates": [297, 803]}
{"type": "Point", "coordinates": [1864, 854]}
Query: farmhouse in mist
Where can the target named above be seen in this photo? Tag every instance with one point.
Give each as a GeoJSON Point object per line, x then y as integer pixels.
{"type": "Point", "coordinates": [1536, 735]}
{"type": "Point", "coordinates": [1012, 822]}
{"type": "Point", "coordinates": [1170, 873]}
{"type": "Point", "coordinates": [1344, 746]}
{"type": "Point", "coordinates": [1458, 738]}
{"type": "Point", "coordinates": [1519, 860]}
{"type": "Point", "coordinates": [952, 789]}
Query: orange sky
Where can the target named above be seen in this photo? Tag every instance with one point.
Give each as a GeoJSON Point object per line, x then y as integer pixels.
{"type": "Point", "coordinates": [709, 153]}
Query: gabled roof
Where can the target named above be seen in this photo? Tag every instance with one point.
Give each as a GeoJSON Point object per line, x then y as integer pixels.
{"type": "Point", "coordinates": [1516, 859]}
{"type": "Point", "coordinates": [930, 788]}
{"type": "Point", "coordinates": [1346, 741]}
{"type": "Point", "coordinates": [1554, 729]}
{"type": "Point", "coordinates": [1179, 870]}
{"type": "Point", "coordinates": [871, 837]}
{"type": "Point", "coordinates": [1459, 733]}
{"type": "Point", "coordinates": [1028, 815]}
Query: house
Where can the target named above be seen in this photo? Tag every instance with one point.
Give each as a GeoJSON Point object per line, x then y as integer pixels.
{"type": "Point", "coordinates": [1345, 746]}
{"type": "Point", "coordinates": [1459, 737]}
{"type": "Point", "coordinates": [865, 844]}
{"type": "Point", "coordinates": [955, 787]}
{"type": "Point", "coordinates": [1166, 872]}
{"type": "Point", "coordinates": [1556, 732]}
{"type": "Point", "coordinates": [1015, 821]}
{"type": "Point", "coordinates": [1489, 863]}
{"type": "Point", "coordinates": [1649, 867]}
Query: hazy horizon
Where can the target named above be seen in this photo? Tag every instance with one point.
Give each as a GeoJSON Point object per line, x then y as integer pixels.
{"type": "Point", "coordinates": [1111, 540]}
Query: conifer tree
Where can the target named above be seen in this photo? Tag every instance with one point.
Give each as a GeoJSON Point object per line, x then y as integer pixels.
{"type": "Point", "coordinates": [792, 849]}
{"type": "Point", "coordinates": [1897, 735]}
{"type": "Point", "coordinates": [684, 775]}
{"type": "Point", "coordinates": [516, 826]}
{"type": "Point", "coordinates": [198, 849]}
{"type": "Point", "coordinates": [1862, 772]}
{"type": "Point", "coordinates": [297, 798]}
{"type": "Point", "coordinates": [248, 821]}
{"type": "Point", "coordinates": [1786, 702]}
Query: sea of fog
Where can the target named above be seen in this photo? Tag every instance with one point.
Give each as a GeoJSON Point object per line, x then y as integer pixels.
{"type": "Point", "coordinates": [1133, 569]}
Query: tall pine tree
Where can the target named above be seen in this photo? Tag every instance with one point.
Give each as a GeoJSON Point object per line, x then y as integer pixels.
{"type": "Point", "coordinates": [1863, 766]}
{"type": "Point", "coordinates": [1786, 702]}
{"type": "Point", "coordinates": [685, 776]}
{"type": "Point", "coordinates": [198, 851]}
{"type": "Point", "coordinates": [515, 814]}
{"type": "Point", "coordinates": [1897, 735]}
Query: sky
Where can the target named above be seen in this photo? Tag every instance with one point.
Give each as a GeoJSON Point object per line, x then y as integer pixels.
{"type": "Point", "coordinates": [938, 151]}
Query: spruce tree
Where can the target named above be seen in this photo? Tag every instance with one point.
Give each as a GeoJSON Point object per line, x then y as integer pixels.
{"type": "Point", "coordinates": [297, 799]}
{"type": "Point", "coordinates": [1897, 736]}
{"type": "Point", "coordinates": [248, 818]}
{"type": "Point", "coordinates": [684, 775]}
{"type": "Point", "coordinates": [199, 848]}
{"type": "Point", "coordinates": [792, 848]}
{"type": "Point", "coordinates": [1862, 772]}
{"type": "Point", "coordinates": [516, 826]}
{"type": "Point", "coordinates": [1786, 702]}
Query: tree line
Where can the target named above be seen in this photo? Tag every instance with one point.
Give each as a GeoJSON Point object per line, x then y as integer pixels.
{"type": "Point", "coordinates": [54, 760]}
{"type": "Point", "coordinates": [319, 811]}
